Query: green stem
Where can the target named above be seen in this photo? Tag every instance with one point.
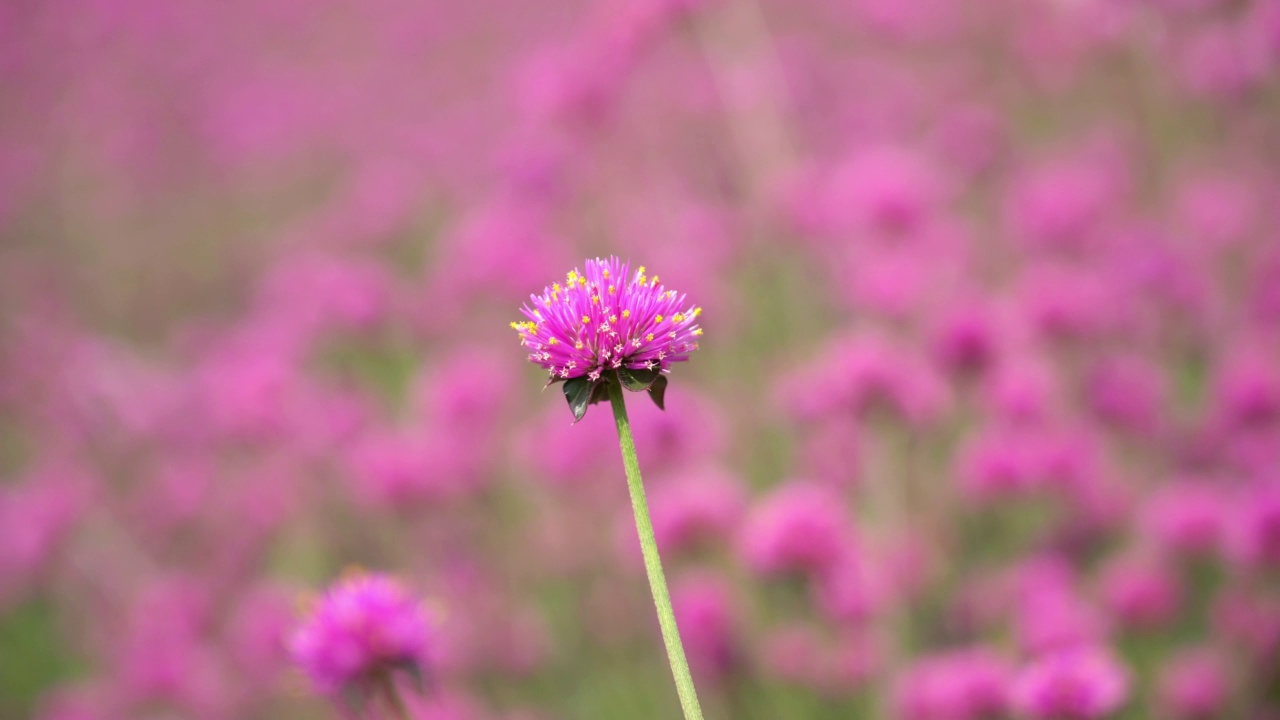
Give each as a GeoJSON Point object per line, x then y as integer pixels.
{"type": "Point", "coordinates": [393, 697]}
{"type": "Point", "coordinates": [652, 563]}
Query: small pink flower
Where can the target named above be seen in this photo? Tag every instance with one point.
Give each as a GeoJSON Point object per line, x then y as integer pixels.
{"type": "Point", "coordinates": [1080, 684]}
{"type": "Point", "coordinates": [364, 628]}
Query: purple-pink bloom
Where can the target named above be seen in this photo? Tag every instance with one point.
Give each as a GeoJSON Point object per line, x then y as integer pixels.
{"type": "Point", "coordinates": [1080, 684]}
{"type": "Point", "coordinates": [705, 612]}
{"type": "Point", "coordinates": [799, 527]}
{"type": "Point", "coordinates": [608, 318]}
{"type": "Point", "coordinates": [968, 684]}
{"type": "Point", "coordinates": [1187, 517]}
{"type": "Point", "coordinates": [1194, 685]}
{"type": "Point", "coordinates": [365, 627]}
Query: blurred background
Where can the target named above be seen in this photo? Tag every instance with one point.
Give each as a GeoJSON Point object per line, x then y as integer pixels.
{"type": "Point", "coordinates": [985, 423]}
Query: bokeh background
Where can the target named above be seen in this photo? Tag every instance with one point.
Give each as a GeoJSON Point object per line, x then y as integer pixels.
{"type": "Point", "coordinates": [986, 416]}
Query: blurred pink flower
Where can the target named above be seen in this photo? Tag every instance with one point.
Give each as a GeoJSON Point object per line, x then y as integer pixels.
{"type": "Point", "coordinates": [1078, 684]}
{"type": "Point", "coordinates": [799, 527]}
{"type": "Point", "coordinates": [365, 627]}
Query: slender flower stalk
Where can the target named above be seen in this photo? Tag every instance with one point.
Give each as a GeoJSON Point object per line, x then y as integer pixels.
{"type": "Point", "coordinates": [392, 695]}
{"type": "Point", "coordinates": [652, 562]}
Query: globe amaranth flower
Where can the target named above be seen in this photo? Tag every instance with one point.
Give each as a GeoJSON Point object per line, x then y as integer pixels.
{"type": "Point", "coordinates": [362, 631]}
{"type": "Point", "coordinates": [1085, 683]}
{"type": "Point", "coordinates": [608, 324]}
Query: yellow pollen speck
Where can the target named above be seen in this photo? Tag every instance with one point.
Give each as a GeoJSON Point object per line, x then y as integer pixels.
{"type": "Point", "coordinates": [552, 341]}
{"type": "Point", "coordinates": [606, 273]}
{"type": "Point", "coordinates": [642, 271]}
{"type": "Point", "coordinates": [578, 345]}
{"type": "Point", "coordinates": [612, 290]}
{"type": "Point", "coordinates": [538, 314]}
{"type": "Point", "coordinates": [678, 317]}
{"type": "Point", "coordinates": [626, 313]}
{"type": "Point", "coordinates": [613, 318]}
{"type": "Point", "coordinates": [515, 325]}
{"type": "Point", "coordinates": [655, 281]}
{"type": "Point", "coordinates": [649, 337]}
{"type": "Point", "coordinates": [657, 318]}
{"type": "Point", "coordinates": [586, 319]}
{"type": "Point", "coordinates": [582, 281]}
{"type": "Point", "coordinates": [698, 331]}
{"type": "Point", "coordinates": [697, 311]}
{"type": "Point", "coordinates": [555, 288]}
{"type": "Point", "coordinates": [595, 299]}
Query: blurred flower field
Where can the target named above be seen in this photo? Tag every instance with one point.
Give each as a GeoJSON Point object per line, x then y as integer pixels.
{"type": "Point", "coordinates": [985, 423]}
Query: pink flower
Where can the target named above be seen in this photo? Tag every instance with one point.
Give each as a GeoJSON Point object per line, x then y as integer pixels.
{"type": "Point", "coordinates": [799, 527]}
{"type": "Point", "coordinates": [1194, 685]}
{"type": "Point", "coordinates": [1080, 684]}
{"type": "Point", "coordinates": [365, 627]}
{"type": "Point", "coordinates": [695, 506]}
{"type": "Point", "coordinates": [606, 321]}
{"type": "Point", "coordinates": [705, 613]}
{"type": "Point", "coordinates": [968, 684]}
{"type": "Point", "coordinates": [1140, 593]}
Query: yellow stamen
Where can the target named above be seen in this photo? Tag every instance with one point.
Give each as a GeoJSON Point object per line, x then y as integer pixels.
{"type": "Point", "coordinates": [678, 317]}
{"type": "Point", "coordinates": [586, 319]}
{"type": "Point", "coordinates": [626, 313]}
{"type": "Point", "coordinates": [698, 331]}
{"type": "Point", "coordinates": [657, 318]}
{"type": "Point", "coordinates": [649, 337]}
{"type": "Point", "coordinates": [552, 341]}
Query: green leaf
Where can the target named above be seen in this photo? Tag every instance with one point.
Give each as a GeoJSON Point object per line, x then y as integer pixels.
{"type": "Point", "coordinates": [600, 393]}
{"type": "Point", "coordinates": [578, 392]}
{"type": "Point", "coordinates": [658, 391]}
{"type": "Point", "coordinates": [353, 697]}
{"type": "Point", "coordinates": [637, 380]}
{"type": "Point", "coordinates": [416, 678]}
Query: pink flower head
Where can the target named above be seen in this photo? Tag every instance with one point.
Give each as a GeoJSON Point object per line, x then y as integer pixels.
{"type": "Point", "coordinates": [365, 627]}
{"type": "Point", "coordinates": [1187, 517]}
{"type": "Point", "coordinates": [968, 684]}
{"type": "Point", "coordinates": [800, 527]}
{"type": "Point", "coordinates": [705, 612]}
{"type": "Point", "coordinates": [1255, 541]}
{"type": "Point", "coordinates": [1194, 685]}
{"type": "Point", "coordinates": [608, 322]}
{"type": "Point", "coordinates": [1140, 592]}
{"type": "Point", "coordinates": [1079, 684]}
{"type": "Point", "coordinates": [694, 507]}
